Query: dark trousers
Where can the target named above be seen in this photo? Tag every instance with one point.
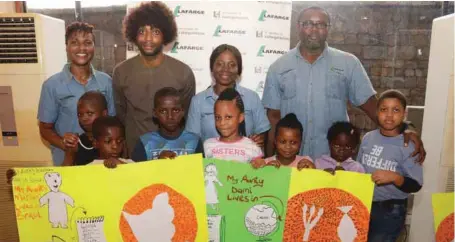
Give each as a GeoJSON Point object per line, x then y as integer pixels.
{"type": "Point", "coordinates": [387, 219]}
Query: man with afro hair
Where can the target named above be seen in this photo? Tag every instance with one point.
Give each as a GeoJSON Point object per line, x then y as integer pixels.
{"type": "Point", "coordinates": [150, 27]}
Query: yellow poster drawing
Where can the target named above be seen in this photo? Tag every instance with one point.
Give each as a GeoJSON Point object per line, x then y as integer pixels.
{"type": "Point", "coordinates": [443, 216]}
{"type": "Point", "coordinates": [325, 207]}
{"type": "Point", "coordinates": [146, 201]}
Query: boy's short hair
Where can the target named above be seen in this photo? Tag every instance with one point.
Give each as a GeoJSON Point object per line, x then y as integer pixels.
{"type": "Point", "coordinates": [289, 121]}
{"type": "Point", "coordinates": [393, 93]}
{"type": "Point", "coordinates": [102, 123]}
{"type": "Point", "coordinates": [76, 27]}
{"type": "Point", "coordinates": [343, 127]}
{"type": "Point", "coordinates": [166, 92]}
{"type": "Point", "coordinates": [154, 14]}
{"type": "Point", "coordinates": [96, 98]}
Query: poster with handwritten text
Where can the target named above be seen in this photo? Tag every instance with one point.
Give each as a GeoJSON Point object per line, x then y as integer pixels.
{"type": "Point", "coordinates": [244, 204]}
{"type": "Point", "coordinates": [158, 201]}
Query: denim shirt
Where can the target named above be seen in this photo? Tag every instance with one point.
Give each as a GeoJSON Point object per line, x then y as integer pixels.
{"type": "Point", "coordinates": [201, 120]}
{"type": "Point", "coordinates": [316, 92]}
{"type": "Point", "coordinates": [58, 102]}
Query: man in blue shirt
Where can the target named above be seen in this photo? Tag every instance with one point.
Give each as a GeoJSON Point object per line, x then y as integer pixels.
{"type": "Point", "coordinates": [57, 111]}
{"type": "Point", "coordinates": [315, 81]}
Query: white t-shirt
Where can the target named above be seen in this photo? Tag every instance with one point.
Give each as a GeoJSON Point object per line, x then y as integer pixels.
{"type": "Point", "coordinates": [244, 150]}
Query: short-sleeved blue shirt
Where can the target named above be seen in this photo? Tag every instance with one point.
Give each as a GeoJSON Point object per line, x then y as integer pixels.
{"type": "Point", "coordinates": [201, 120]}
{"type": "Point", "coordinates": [317, 93]}
{"type": "Point", "coordinates": [58, 102]}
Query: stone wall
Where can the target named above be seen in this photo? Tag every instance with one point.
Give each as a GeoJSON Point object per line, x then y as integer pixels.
{"type": "Point", "coordinates": [391, 39]}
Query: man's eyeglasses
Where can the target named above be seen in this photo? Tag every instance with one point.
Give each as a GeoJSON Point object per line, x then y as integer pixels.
{"type": "Point", "coordinates": [309, 24]}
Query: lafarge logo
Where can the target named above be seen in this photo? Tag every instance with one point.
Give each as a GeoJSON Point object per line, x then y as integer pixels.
{"type": "Point", "coordinates": [263, 50]}
{"type": "Point", "coordinates": [178, 10]}
{"type": "Point", "coordinates": [221, 31]}
{"type": "Point", "coordinates": [177, 47]}
{"type": "Point", "coordinates": [264, 15]}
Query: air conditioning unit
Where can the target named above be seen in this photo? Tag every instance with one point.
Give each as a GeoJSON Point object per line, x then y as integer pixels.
{"type": "Point", "coordinates": [32, 48]}
{"type": "Point", "coordinates": [438, 128]}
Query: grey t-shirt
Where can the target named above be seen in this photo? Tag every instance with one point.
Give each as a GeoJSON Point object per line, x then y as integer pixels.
{"type": "Point", "coordinates": [388, 153]}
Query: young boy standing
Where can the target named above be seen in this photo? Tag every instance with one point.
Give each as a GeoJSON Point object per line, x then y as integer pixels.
{"type": "Point", "coordinates": [109, 141]}
{"type": "Point", "coordinates": [90, 106]}
{"type": "Point", "coordinates": [171, 139]}
{"type": "Point", "coordinates": [394, 171]}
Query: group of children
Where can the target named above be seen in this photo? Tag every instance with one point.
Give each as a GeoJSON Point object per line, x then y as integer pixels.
{"type": "Point", "coordinates": [380, 153]}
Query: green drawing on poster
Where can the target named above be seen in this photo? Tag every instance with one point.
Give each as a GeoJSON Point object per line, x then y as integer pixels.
{"type": "Point", "coordinates": [244, 204]}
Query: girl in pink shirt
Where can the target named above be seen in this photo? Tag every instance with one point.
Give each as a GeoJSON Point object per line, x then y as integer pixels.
{"type": "Point", "coordinates": [230, 123]}
{"type": "Point", "coordinates": [288, 138]}
{"type": "Point", "coordinates": [343, 140]}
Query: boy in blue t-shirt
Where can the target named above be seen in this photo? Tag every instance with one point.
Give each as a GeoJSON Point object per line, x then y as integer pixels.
{"type": "Point", "coordinates": [394, 171]}
{"type": "Point", "coordinates": [171, 139]}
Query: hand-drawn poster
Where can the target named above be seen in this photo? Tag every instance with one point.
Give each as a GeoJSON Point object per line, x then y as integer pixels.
{"type": "Point", "coordinates": [443, 216]}
{"type": "Point", "coordinates": [244, 204]}
{"type": "Point", "coordinates": [149, 201]}
{"type": "Point", "coordinates": [324, 207]}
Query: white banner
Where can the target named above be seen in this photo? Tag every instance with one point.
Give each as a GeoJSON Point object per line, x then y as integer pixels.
{"type": "Point", "coordinates": [260, 30]}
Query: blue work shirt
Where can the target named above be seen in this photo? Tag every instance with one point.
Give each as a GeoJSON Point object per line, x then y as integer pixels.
{"type": "Point", "coordinates": [58, 102]}
{"type": "Point", "coordinates": [201, 120]}
{"type": "Point", "coordinates": [317, 93]}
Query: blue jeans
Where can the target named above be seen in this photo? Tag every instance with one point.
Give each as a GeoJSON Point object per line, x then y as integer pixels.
{"type": "Point", "coordinates": [386, 221]}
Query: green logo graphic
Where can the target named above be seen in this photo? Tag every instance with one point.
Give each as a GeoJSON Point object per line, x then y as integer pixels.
{"type": "Point", "coordinates": [175, 47]}
{"type": "Point", "coordinates": [177, 11]}
{"type": "Point", "coordinates": [261, 50]}
{"type": "Point", "coordinates": [217, 31]}
{"type": "Point", "coordinates": [262, 16]}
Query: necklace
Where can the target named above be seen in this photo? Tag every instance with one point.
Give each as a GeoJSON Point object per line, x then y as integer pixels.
{"type": "Point", "coordinates": [85, 147]}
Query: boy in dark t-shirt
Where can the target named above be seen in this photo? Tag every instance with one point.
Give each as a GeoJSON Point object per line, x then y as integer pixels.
{"type": "Point", "coordinates": [171, 139]}
{"type": "Point", "coordinates": [90, 106]}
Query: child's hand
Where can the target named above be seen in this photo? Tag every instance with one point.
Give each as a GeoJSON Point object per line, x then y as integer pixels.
{"type": "Point", "coordinates": [274, 163]}
{"type": "Point", "coordinates": [258, 139]}
{"type": "Point", "coordinates": [258, 163]}
{"type": "Point", "coordinates": [339, 168]}
{"type": "Point", "coordinates": [381, 177]}
{"type": "Point", "coordinates": [70, 141]}
{"type": "Point", "coordinates": [112, 162]}
{"type": "Point", "coordinates": [331, 171]}
{"type": "Point", "coordinates": [304, 163]}
{"type": "Point", "coordinates": [167, 154]}
{"type": "Point", "coordinates": [10, 173]}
